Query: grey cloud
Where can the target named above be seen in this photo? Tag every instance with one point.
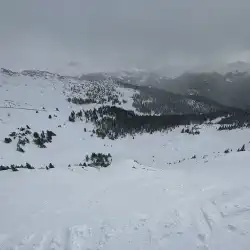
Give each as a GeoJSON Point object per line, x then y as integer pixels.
{"type": "Point", "coordinates": [114, 34]}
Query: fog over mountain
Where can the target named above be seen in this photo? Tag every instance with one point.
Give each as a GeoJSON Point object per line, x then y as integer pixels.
{"type": "Point", "coordinates": [93, 35]}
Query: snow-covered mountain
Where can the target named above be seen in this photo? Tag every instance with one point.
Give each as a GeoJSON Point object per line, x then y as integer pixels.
{"type": "Point", "coordinates": [120, 91]}
{"type": "Point", "coordinates": [226, 85]}
{"type": "Point", "coordinates": [223, 68]}
{"type": "Point", "coordinates": [101, 163]}
{"type": "Point", "coordinates": [230, 89]}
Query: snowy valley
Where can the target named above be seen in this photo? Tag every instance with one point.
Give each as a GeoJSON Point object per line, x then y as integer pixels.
{"type": "Point", "coordinates": [105, 164]}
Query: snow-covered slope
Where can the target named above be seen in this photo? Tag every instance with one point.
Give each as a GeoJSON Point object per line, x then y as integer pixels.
{"type": "Point", "coordinates": [128, 206]}
{"type": "Point", "coordinates": [165, 190]}
{"type": "Point", "coordinates": [113, 90]}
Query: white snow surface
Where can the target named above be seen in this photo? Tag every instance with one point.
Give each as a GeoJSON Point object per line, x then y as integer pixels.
{"type": "Point", "coordinates": [153, 196]}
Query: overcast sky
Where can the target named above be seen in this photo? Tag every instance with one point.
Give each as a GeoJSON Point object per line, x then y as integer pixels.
{"type": "Point", "coordinates": [115, 34]}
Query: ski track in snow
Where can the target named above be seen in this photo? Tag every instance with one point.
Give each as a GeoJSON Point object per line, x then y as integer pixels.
{"type": "Point", "coordinates": [141, 234]}
{"type": "Point", "coordinates": [197, 219]}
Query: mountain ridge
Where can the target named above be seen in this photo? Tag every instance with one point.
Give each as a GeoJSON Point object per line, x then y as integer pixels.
{"type": "Point", "coordinates": [147, 99]}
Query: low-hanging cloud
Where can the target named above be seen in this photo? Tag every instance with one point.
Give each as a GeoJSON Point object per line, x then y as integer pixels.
{"type": "Point", "coordinates": [115, 34]}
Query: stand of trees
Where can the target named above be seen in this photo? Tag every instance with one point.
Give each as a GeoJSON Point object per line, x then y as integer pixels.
{"type": "Point", "coordinates": [114, 122]}
{"type": "Point", "coordinates": [97, 160]}
{"type": "Point", "coordinates": [22, 135]}
{"type": "Point", "coordinates": [15, 168]}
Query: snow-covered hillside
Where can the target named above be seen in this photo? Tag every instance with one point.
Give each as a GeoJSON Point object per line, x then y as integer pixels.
{"type": "Point", "coordinates": [185, 187]}
{"type": "Point", "coordinates": [128, 207]}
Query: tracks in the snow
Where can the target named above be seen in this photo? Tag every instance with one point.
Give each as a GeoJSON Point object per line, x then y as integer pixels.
{"type": "Point", "coordinates": [48, 240]}
{"type": "Point", "coordinates": [199, 223]}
